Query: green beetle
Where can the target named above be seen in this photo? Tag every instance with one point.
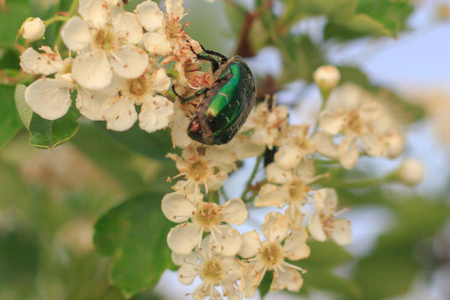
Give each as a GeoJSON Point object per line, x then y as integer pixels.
{"type": "Point", "coordinates": [226, 105]}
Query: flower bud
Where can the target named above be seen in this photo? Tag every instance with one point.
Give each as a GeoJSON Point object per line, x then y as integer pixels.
{"type": "Point", "coordinates": [327, 77]}
{"type": "Point", "coordinates": [411, 171]}
{"type": "Point", "coordinates": [32, 29]}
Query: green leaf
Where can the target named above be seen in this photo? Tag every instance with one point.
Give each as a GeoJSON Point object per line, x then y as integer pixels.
{"type": "Point", "coordinates": [264, 286]}
{"type": "Point", "coordinates": [49, 134]}
{"type": "Point", "coordinates": [301, 58]}
{"type": "Point", "coordinates": [10, 122]}
{"type": "Point", "coordinates": [324, 280]}
{"type": "Point", "coordinates": [325, 255]}
{"type": "Point", "coordinates": [153, 145]}
{"type": "Point", "coordinates": [392, 266]}
{"type": "Point", "coordinates": [372, 17]}
{"type": "Point", "coordinates": [298, 9]}
{"type": "Point", "coordinates": [111, 157]}
{"type": "Point", "coordinates": [11, 20]}
{"type": "Point", "coordinates": [25, 112]}
{"type": "Point", "coordinates": [135, 234]}
{"type": "Point", "coordinates": [235, 14]}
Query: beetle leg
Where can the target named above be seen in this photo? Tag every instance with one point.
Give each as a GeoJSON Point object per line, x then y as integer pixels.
{"type": "Point", "coordinates": [186, 99]}
{"type": "Point", "coordinates": [214, 63]}
{"type": "Point", "coordinates": [210, 52]}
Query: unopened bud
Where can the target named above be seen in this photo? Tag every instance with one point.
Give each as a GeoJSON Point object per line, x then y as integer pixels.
{"type": "Point", "coordinates": [32, 29]}
{"type": "Point", "coordinates": [327, 77]}
{"type": "Point", "coordinates": [411, 171]}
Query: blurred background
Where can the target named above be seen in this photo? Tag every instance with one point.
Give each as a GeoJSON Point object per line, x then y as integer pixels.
{"type": "Point", "coordinates": [51, 199]}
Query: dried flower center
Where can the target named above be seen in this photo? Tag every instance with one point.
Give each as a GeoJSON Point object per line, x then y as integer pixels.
{"type": "Point", "coordinates": [211, 270]}
{"type": "Point", "coordinates": [272, 255]}
{"type": "Point", "coordinates": [208, 215]}
{"type": "Point", "coordinates": [199, 170]}
{"type": "Point", "coordinates": [105, 39]}
{"type": "Point", "coordinates": [298, 191]}
{"type": "Point", "coordinates": [354, 122]}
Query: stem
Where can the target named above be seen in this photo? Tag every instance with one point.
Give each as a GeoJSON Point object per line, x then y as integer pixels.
{"type": "Point", "coordinates": [249, 182]}
{"type": "Point", "coordinates": [361, 183]}
{"type": "Point", "coordinates": [56, 19]}
{"type": "Point", "coordinates": [72, 9]}
{"type": "Point", "coordinates": [326, 162]}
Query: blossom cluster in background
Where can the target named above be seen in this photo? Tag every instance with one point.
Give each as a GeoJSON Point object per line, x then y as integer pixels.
{"type": "Point", "coordinates": [119, 61]}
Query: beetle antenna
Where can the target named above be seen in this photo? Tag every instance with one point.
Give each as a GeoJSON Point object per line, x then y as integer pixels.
{"type": "Point", "coordinates": [214, 63]}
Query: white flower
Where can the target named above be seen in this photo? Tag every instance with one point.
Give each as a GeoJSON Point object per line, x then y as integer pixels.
{"type": "Point", "coordinates": [156, 111]}
{"type": "Point", "coordinates": [266, 123]}
{"type": "Point", "coordinates": [356, 114]}
{"type": "Point", "coordinates": [411, 171]}
{"type": "Point", "coordinates": [322, 224]}
{"type": "Point", "coordinates": [292, 189]}
{"type": "Point", "coordinates": [32, 29]}
{"type": "Point", "coordinates": [50, 97]}
{"type": "Point", "coordinates": [213, 268]}
{"type": "Point", "coordinates": [327, 77]}
{"type": "Point", "coordinates": [200, 169]}
{"type": "Point", "coordinates": [271, 254]}
{"type": "Point", "coordinates": [294, 146]}
{"type": "Point", "coordinates": [205, 217]}
{"type": "Point", "coordinates": [104, 48]}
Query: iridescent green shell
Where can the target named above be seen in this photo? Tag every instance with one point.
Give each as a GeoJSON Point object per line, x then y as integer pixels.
{"type": "Point", "coordinates": [226, 105]}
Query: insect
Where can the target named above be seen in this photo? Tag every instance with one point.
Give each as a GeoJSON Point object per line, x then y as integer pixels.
{"type": "Point", "coordinates": [226, 104]}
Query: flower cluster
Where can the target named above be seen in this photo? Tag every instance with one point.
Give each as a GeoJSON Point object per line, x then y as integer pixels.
{"type": "Point", "coordinates": [117, 71]}
{"type": "Point", "coordinates": [120, 63]}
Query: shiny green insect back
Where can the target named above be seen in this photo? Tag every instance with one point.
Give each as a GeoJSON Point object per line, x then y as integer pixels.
{"type": "Point", "coordinates": [226, 105]}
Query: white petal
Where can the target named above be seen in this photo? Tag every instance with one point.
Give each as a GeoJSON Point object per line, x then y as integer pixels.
{"type": "Point", "coordinates": [234, 212]}
{"type": "Point", "coordinates": [94, 11]}
{"type": "Point", "coordinates": [316, 228]}
{"type": "Point", "coordinates": [275, 226]}
{"type": "Point", "coordinates": [271, 195]}
{"type": "Point", "coordinates": [295, 247]}
{"type": "Point", "coordinates": [150, 16]}
{"type": "Point", "coordinates": [159, 81]}
{"type": "Point", "coordinates": [34, 62]}
{"type": "Point", "coordinates": [181, 259]}
{"type": "Point", "coordinates": [75, 34]}
{"type": "Point", "coordinates": [184, 237]}
{"type": "Point", "coordinates": [90, 104]}
{"type": "Point", "coordinates": [129, 61]}
{"type": "Point", "coordinates": [326, 200]}
{"type": "Point", "coordinates": [341, 232]}
{"type": "Point", "coordinates": [348, 152]}
{"type": "Point", "coordinates": [175, 7]}
{"type": "Point", "coordinates": [187, 273]}
{"type": "Point", "coordinates": [92, 70]}
{"type": "Point", "coordinates": [216, 181]}
{"type": "Point", "coordinates": [330, 122]}
{"type": "Point", "coordinates": [156, 43]}
{"type": "Point", "coordinates": [287, 157]}
{"type": "Point", "coordinates": [48, 99]}
{"type": "Point", "coordinates": [373, 144]}
{"type": "Point", "coordinates": [250, 280]}
{"type": "Point", "coordinates": [278, 175]}
{"type": "Point", "coordinates": [180, 125]}
{"type": "Point", "coordinates": [177, 208]}
{"type": "Point", "coordinates": [325, 145]}
{"type": "Point", "coordinates": [244, 148]}
{"type": "Point", "coordinates": [156, 113]}
{"type": "Point", "coordinates": [127, 28]}
{"type": "Point", "coordinates": [287, 278]}
{"type": "Point", "coordinates": [251, 243]}
{"type": "Point", "coordinates": [228, 241]}
{"type": "Point", "coordinates": [119, 113]}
